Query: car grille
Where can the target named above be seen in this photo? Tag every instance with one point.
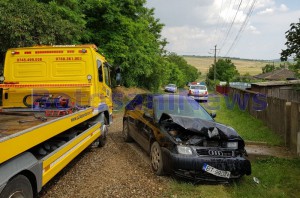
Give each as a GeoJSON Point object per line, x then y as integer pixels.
{"type": "Point", "coordinates": [216, 153]}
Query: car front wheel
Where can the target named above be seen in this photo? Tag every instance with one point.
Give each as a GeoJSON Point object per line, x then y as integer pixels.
{"type": "Point", "coordinates": [126, 135]}
{"type": "Point", "coordinates": [156, 159]}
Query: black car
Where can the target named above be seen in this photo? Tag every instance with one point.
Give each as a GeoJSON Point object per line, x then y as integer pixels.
{"type": "Point", "coordinates": [183, 138]}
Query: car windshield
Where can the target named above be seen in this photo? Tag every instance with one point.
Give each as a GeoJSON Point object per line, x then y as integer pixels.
{"type": "Point", "coordinates": [179, 105]}
{"type": "Point", "coordinates": [171, 85]}
{"type": "Point", "coordinates": [200, 87]}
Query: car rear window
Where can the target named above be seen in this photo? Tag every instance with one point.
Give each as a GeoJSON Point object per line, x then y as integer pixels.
{"type": "Point", "coordinates": [171, 85]}
{"type": "Point", "coordinates": [198, 87]}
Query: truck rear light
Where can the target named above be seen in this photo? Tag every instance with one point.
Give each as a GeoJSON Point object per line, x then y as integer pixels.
{"type": "Point", "coordinates": [15, 53]}
{"type": "Point", "coordinates": [83, 51]}
{"type": "Point", "coordinates": [205, 93]}
{"type": "Point", "coordinates": [190, 92]}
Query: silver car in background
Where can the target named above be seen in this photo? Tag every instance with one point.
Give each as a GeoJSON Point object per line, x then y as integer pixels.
{"type": "Point", "coordinates": [171, 88]}
{"type": "Point", "coordinates": [198, 92]}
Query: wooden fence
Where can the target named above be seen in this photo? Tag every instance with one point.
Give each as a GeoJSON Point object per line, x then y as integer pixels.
{"type": "Point", "coordinates": [280, 115]}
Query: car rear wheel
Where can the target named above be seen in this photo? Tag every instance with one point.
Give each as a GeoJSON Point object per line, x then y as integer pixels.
{"type": "Point", "coordinates": [126, 136]}
{"type": "Point", "coordinates": [156, 159]}
{"type": "Point", "coordinates": [18, 187]}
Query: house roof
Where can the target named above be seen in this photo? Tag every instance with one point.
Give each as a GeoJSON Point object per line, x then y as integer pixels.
{"type": "Point", "coordinates": [277, 83]}
{"type": "Point", "coordinates": [280, 74]}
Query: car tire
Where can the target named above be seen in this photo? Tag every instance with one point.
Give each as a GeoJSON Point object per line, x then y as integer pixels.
{"type": "Point", "coordinates": [19, 186]}
{"type": "Point", "coordinates": [104, 132]}
{"type": "Point", "coordinates": [156, 159]}
{"type": "Point", "coordinates": [125, 132]}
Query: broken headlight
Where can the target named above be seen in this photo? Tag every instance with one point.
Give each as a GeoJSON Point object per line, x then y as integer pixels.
{"type": "Point", "coordinates": [185, 150]}
{"type": "Point", "coordinates": [232, 145]}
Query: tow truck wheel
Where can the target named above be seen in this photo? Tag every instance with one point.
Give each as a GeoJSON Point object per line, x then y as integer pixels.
{"type": "Point", "coordinates": [156, 159]}
{"type": "Point", "coordinates": [126, 136]}
{"type": "Point", "coordinates": [18, 187]}
{"type": "Point", "coordinates": [104, 131]}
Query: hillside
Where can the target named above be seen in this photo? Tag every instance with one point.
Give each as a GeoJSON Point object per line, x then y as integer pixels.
{"type": "Point", "coordinates": [253, 67]}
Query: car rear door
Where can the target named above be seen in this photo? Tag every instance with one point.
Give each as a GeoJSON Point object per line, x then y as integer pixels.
{"type": "Point", "coordinates": [145, 123]}
{"type": "Point", "coordinates": [133, 113]}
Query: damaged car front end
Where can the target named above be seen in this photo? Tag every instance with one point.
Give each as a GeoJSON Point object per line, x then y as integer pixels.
{"type": "Point", "coordinates": [202, 150]}
{"type": "Point", "coordinates": [183, 139]}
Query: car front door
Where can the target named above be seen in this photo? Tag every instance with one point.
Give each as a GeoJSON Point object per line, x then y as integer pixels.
{"type": "Point", "coordinates": [145, 123]}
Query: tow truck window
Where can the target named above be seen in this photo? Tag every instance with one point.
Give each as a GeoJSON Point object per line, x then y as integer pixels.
{"type": "Point", "coordinates": [100, 72]}
{"type": "Point", "coordinates": [107, 74]}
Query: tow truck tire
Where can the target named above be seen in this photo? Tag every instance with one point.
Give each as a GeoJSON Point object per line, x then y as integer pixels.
{"type": "Point", "coordinates": [19, 186]}
{"type": "Point", "coordinates": [104, 131]}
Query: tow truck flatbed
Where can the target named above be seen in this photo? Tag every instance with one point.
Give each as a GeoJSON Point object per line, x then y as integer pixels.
{"type": "Point", "coordinates": [16, 137]}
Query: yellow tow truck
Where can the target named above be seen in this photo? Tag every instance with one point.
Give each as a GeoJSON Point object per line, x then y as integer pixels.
{"type": "Point", "coordinates": [56, 102]}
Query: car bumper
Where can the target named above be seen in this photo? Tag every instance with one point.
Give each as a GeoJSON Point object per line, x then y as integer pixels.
{"type": "Point", "coordinates": [190, 167]}
{"type": "Point", "coordinates": [199, 97]}
{"type": "Point", "coordinates": [170, 90]}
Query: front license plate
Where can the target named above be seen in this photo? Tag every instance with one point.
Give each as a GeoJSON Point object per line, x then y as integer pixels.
{"type": "Point", "coordinates": [216, 172]}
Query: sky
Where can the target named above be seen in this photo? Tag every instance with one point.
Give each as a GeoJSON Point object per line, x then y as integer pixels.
{"type": "Point", "coordinates": [251, 29]}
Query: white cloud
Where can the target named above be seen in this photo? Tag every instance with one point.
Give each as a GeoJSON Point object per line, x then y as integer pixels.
{"type": "Point", "coordinates": [260, 4]}
{"type": "Point", "coordinates": [187, 39]}
{"type": "Point", "coordinates": [228, 15]}
{"type": "Point", "coordinates": [195, 26]}
{"type": "Point", "coordinates": [267, 11]}
{"type": "Point", "coordinates": [274, 10]}
{"type": "Point", "coordinates": [253, 29]}
{"type": "Point", "coordinates": [283, 8]}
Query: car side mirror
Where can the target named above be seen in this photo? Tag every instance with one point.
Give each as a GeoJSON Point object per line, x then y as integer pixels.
{"type": "Point", "coordinates": [213, 115]}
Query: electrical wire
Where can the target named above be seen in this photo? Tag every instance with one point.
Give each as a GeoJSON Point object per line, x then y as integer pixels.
{"type": "Point", "coordinates": [242, 28]}
{"type": "Point", "coordinates": [229, 30]}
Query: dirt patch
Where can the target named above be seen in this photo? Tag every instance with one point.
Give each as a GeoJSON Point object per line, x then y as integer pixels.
{"type": "Point", "coordinates": [116, 170]}
{"type": "Point", "coordinates": [258, 150]}
{"type": "Point", "coordinates": [122, 95]}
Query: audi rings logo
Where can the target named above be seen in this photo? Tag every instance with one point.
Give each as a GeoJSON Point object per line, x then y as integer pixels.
{"type": "Point", "coordinates": [215, 153]}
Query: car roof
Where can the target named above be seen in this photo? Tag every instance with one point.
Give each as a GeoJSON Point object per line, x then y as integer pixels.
{"type": "Point", "coordinates": [164, 96]}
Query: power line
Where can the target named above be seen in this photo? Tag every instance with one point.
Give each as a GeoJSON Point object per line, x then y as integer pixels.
{"type": "Point", "coordinates": [226, 18]}
{"type": "Point", "coordinates": [227, 34]}
{"type": "Point", "coordinates": [242, 28]}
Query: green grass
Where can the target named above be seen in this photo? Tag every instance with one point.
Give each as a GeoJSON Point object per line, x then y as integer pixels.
{"type": "Point", "coordinates": [180, 189]}
{"type": "Point", "coordinates": [278, 178]}
{"type": "Point", "coordinates": [248, 127]}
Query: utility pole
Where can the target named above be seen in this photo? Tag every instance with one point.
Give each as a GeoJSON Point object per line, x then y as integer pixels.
{"type": "Point", "coordinates": [215, 63]}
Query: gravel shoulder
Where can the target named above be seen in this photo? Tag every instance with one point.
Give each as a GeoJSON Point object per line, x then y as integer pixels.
{"type": "Point", "coordinates": [118, 169]}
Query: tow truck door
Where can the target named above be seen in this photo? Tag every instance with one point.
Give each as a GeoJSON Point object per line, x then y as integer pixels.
{"type": "Point", "coordinates": [104, 78]}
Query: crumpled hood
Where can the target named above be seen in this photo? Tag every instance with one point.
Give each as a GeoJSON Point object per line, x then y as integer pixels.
{"type": "Point", "coordinates": [210, 129]}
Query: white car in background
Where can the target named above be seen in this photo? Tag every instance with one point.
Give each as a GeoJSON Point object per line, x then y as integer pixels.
{"type": "Point", "coordinates": [198, 92]}
{"type": "Point", "coordinates": [171, 88]}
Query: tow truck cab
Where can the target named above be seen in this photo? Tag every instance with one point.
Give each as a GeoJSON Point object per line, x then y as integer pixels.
{"type": "Point", "coordinates": [57, 101]}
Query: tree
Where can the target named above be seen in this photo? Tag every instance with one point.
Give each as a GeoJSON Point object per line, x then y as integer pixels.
{"type": "Point", "coordinates": [225, 70]}
{"type": "Point", "coordinates": [268, 68]}
{"type": "Point", "coordinates": [129, 35]}
{"type": "Point", "coordinates": [181, 71]}
{"type": "Point", "coordinates": [292, 43]}
{"type": "Point", "coordinates": [28, 22]}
